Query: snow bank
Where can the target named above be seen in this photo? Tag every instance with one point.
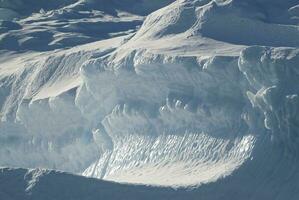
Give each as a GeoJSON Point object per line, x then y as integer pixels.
{"type": "Point", "coordinates": [192, 98]}
{"type": "Point", "coordinates": [36, 184]}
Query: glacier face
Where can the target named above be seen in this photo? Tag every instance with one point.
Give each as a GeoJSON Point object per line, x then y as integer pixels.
{"type": "Point", "coordinates": [193, 97]}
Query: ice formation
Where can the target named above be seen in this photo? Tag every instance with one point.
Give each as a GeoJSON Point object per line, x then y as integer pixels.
{"type": "Point", "coordinates": [196, 93]}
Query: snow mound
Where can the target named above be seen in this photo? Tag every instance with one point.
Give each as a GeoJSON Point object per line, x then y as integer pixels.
{"type": "Point", "coordinates": [191, 98]}
{"type": "Point", "coordinates": [218, 27]}
{"type": "Point", "coordinates": [66, 23]}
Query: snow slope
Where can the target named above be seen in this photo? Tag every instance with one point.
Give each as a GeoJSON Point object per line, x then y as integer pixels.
{"type": "Point", "coordinates": [44, 184]}
{"type": "Point", "coordinates": [65, 23]}
{"type": "Point", "coordinates": [199, 93]}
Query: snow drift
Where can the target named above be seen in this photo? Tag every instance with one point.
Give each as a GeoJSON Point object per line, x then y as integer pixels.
{"type": "Point", "coordinates": [45, 184]}
{"type": "Point", "coordinates": [191, 98]}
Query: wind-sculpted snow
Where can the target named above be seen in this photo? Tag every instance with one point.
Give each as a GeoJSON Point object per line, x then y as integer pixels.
{"type": "Point", "coordinates": [36, 184]}
{"type": "Point", "coordinates": [171, 160]}
{"type": "Point", "coordinates": [274, 79]}
{"type": "Point", "coordinates": [192, 97]}
{"type": "Point", "coordinates": [42, 101]}
{"type": "Point", "coordinates": [45, 25]}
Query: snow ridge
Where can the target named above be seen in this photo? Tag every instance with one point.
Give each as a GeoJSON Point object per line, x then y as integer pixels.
{"type": "Point", "coordinates": [191, 98]}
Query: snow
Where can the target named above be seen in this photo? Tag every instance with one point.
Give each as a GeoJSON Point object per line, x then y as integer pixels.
{"type": "Point", "coordinates": [154, 162]}
{"type": "Point", "coordinates": [35, 184]}
{"type": "Point", "coordinates": [186, 94]}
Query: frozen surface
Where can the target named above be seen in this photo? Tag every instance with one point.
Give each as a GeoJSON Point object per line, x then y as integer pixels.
{"type": "Point", "coordinates": [44, 184]}
{"type": "Point", "coordinates": [196, 94]}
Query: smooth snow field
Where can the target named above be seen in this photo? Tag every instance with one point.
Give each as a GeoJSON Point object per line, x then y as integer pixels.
{"type": "Point", "coordinates": [149, 99]}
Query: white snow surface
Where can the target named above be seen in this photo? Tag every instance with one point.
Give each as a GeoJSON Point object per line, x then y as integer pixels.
{"type": "Point", "coordinates": [195, 94]}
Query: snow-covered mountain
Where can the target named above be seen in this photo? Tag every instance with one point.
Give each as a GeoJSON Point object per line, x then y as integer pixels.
{"type": "Point", "coordinates": [197, 94]}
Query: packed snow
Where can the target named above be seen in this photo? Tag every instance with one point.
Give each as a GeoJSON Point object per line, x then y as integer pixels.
{"type": "Point", "coordinates": [199, 95]}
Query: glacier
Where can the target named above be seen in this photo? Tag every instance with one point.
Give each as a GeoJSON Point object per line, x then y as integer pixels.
{"type": "Point", "coordinates": [180, 99]}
